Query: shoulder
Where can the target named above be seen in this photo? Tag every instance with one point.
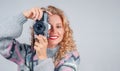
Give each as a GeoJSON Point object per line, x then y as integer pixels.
{"type": "Point", "coordinates": [72, 57]}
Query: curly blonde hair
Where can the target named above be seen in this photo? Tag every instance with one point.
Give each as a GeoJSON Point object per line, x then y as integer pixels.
{"type": "Point", "coordinates": [67, 44]}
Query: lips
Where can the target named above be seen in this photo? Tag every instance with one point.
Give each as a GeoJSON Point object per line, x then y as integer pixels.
{"type": "Point", "coordinates": [53, 37]}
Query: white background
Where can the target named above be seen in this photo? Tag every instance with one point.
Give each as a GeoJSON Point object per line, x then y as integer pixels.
{"type": "Point", "coordinates": [96, 26]}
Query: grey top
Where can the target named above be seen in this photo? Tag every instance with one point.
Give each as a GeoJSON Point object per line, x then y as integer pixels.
{"type": "Point", "coordinates": [21, 54]}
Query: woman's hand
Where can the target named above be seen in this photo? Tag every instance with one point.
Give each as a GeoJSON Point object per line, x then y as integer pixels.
{"type": "Point", "coordinates": [34, 13]}
{"type": "Point", "coordinates": [40, 46]}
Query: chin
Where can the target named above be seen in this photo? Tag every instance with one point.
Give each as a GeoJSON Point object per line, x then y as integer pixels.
{"type": "Point", "coordinates": [53, 43]}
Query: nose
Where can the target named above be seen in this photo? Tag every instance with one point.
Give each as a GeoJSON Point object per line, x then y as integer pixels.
{"type": "Point", "coordinates": [53, 29]}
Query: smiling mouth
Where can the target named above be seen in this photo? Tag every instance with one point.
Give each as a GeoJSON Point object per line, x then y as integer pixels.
{"type": "Point", "coordinates": [53, 37]}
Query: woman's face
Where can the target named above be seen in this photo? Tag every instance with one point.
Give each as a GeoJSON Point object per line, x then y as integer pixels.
{"type": "Point", "coordinates": [56, 32]}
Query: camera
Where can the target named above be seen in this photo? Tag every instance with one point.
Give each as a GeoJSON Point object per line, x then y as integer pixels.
{"type": "Point", "coordinates": [42, 26]}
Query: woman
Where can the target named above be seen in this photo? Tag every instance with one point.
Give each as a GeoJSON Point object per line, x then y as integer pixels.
{"type": "Point", "coordinates": [55, 53]}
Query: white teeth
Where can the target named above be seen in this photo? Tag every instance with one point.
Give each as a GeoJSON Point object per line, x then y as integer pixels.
{"type": "Point", "coordinates": [53, 37]}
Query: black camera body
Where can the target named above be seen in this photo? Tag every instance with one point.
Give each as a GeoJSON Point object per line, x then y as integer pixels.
{"type": "Point", "coordinates": [42, 26]}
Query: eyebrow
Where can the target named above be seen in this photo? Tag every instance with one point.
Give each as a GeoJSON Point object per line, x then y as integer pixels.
{"type": "Point", "coordinates": [59, 24]}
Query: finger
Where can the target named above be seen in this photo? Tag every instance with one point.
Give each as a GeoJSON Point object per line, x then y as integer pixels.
{"type": "Point", "coordinates": [37, 43]}
{"type": "Point", "coordinates": [37, 49]}
{"type": "Point", "coordinates": [37, 13]}
{"type": "Point", "coordinates": [33, 14]}
{"type": "Point", "coordinates": [39, 37]}
{"type": "Point", "coordinates": [49, 12]}
{"type": "Point", "coordinates": [40, 13]}
{"type": "Point", "coordinates": [43, 38]}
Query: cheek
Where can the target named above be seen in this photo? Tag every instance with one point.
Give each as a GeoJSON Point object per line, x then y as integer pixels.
{"type": "Point", "coordinates": [62, 33]}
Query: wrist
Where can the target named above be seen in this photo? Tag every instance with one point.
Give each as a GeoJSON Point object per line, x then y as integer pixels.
{"type": "Point", "coordinates": [41, 56]}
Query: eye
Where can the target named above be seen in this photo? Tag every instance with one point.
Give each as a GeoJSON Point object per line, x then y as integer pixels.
{"type": "Point", "coordinates": [59, 26]}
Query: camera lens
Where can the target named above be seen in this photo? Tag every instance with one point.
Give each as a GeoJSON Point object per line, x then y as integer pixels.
{"type": "Point", "coordinates": [39, 27]}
